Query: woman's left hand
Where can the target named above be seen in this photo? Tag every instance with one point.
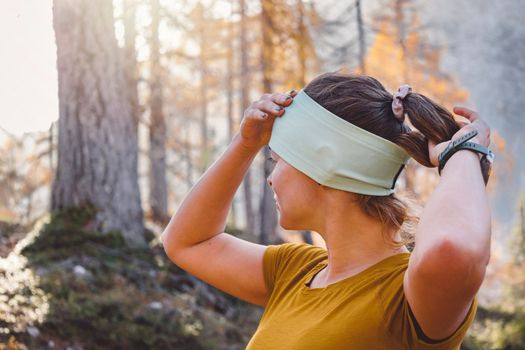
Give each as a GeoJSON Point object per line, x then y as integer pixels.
{"type": "Point", "coordinates": [475, 123]}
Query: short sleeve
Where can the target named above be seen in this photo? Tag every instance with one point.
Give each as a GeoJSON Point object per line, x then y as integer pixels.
{"type": "Point", "coordinates": [451, 342]}
{"type": "Point", "coordinates": [283, 260]}
{"type": "Point", "coordinates": [402, 324]}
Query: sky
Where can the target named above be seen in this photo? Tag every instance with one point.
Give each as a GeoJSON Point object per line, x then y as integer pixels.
{"type": "Point", "coordinates": [28, 77]}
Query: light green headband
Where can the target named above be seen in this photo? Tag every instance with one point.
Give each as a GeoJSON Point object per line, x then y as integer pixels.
{"type": "Point", "coordinates": [334, 152]}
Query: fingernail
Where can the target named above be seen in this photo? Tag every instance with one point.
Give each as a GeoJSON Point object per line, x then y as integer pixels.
{"type": "Point", "coordinates": [288, 98]}
{"type": "Point", "coordinates": [292, 91]}
{"type": "Point", "coordinates": [278, 109]}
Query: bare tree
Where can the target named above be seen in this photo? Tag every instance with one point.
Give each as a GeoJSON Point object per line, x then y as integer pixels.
{"type": "Point", "coordinates": [230, 74]}
{"type": "Point", "coordinates": [97, 142]}
{"type": "Point", "coordinates": [268, 211]}
{"type": "Point", "coordinates": [158, 198]}
{"type": "Point", "coordinates": [130, 59]}
{"type": "Point", "coordinates": [361, 36]}
{"type": "Point", "coordinates": [244, 87]}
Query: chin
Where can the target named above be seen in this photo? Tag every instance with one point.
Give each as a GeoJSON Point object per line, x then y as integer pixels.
{"type": "Point", "coordinates": [288, 224]}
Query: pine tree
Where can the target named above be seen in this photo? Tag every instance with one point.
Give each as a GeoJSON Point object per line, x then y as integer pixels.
{"type": "Point", "coordinates": [97, 141]}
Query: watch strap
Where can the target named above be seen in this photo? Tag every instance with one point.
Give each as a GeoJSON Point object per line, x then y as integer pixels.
{"type": "Point", "coordinates": [450, 149]}
{"type": "Point", "coordinates": [486, 161]}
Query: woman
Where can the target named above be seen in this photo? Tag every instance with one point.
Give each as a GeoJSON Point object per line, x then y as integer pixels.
{"type": "Point", "coordinates": [338, 147]}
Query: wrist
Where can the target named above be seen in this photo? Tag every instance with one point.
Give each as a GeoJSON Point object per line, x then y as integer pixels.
{"type": "Point", "coordinates": [473, 154]}
{"type": "Point", "coordinates": [239, 143]}
{"type": "Point", "coordinates": [460, 158]}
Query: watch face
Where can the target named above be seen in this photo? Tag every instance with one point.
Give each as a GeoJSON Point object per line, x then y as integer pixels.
{"type": "Point", "coordinates": [490, 157]}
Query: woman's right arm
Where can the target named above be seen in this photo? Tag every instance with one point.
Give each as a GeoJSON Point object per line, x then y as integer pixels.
{"type": "Point", "coordinates": [194, 238]}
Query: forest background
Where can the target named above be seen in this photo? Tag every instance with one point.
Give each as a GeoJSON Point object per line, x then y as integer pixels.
{"type": "Point", "coordinates": [152, 92]}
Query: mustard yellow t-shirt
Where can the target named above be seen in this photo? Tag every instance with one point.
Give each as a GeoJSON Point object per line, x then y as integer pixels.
{"type": "Point", "coordinates": [367, 311]}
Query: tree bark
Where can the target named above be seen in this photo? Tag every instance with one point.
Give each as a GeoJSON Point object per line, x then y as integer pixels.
{"type": "Point", "coordinates": [202, 33]}
{"type": "Point", "coordinates": [97, 145]}
{"type": "Point", "coordinates": [300, 39]}
{"type": "Point", "coordinates": [268, 210]}
{"type": "Point", "coordinates": [230, 68]}
{"type": "Point", "coordinates": [361, 36]}
{"type": "Point", "coordinates": [244, 74]}
{"type": "Point", "coordinates": [158, 198]}
{"type": "Point", "coordinates": [130, 59]}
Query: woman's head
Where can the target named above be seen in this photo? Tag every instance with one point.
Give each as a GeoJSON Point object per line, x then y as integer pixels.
{"type": "Point", "coordinates": [364, 102]}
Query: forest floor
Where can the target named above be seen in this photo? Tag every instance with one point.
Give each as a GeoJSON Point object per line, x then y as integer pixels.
{"type": "Point", "coordinates": [64, 286]}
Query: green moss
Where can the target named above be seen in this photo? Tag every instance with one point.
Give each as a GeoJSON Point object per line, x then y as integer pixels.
{"type": "Point", "coordinates": [67, 234]}
{"type": "Point", "coordinates": [108, 306]}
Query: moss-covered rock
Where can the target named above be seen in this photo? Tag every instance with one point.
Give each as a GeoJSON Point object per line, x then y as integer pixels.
{"type": "Point", "coordinates": [103, 294]}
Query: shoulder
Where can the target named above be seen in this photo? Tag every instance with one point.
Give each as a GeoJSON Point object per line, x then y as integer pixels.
{"type": "Point", "coordinates": [287, 260]}
{"type": "Point", "coordinates": [400, 321]}
{"type": "Point", "coordinates": [294, 252]}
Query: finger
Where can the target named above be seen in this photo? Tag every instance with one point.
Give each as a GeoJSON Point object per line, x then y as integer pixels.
{"type": "Point", "coordinates": [292, 92]}
{"type": "Point", "coordinates": [269, 107]}
{"type": "Point", "coordinates": [282, 99]}
{"type": "Point", "coordinates": [466, 112]}
{"type": "Point", "coordinates": [255, 113]}
{"type": "Point", "coordinates": [461, 124]}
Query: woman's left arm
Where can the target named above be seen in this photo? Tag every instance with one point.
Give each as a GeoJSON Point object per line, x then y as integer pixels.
{"type": "Point", "coordinates": [452, 248]}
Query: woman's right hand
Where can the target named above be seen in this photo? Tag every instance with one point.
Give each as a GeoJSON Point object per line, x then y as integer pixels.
{"type": "Point", "coordinates": [257, 122]}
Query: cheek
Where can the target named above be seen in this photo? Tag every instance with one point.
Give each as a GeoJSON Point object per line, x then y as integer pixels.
{"type": "Point", "coordinates": [294, 193]}
{"type": "Point", "coordinates": [295, 210]}
{"type": "Point", "coordinates": [292, 187]}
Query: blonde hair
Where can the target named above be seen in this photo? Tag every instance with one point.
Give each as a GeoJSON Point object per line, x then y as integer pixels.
{"type": "Point", "coordinates": [396, 212]}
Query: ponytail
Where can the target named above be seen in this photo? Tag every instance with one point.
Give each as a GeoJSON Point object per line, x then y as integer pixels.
{"type": "Point", "coordinates": [363, 101]}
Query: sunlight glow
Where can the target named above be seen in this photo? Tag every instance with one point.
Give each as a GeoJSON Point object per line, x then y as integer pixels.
{"type": "Point", "coordinates": [28, 88]}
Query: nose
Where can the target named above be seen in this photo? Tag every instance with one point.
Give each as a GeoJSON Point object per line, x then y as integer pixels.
{"type": "Point", "coordinates": [269, 181]}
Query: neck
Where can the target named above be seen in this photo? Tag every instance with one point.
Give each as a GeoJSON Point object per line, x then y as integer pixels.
{"type": "Point", "coordinates": [354, 242]}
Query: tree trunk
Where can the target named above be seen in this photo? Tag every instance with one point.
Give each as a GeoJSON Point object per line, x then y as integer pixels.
{"type": "Point", "coordinates": [130, 59]}
{"type": "Point", "coordinates": [158, 198]}
{"type": "Point", "coordinates": [230, 68]}
{"type": "Point", "coordinates": [301, 49]}
{"type": "Point", "coordinates": [187, 154]}
{"type": "Point", "coordinates": [203, 88]}
{"type": "Point", "coordinates": [268, 210]}
{"type": "Point", "coordinates": [97, 145]}
{"type": "Point", "coordinates": [361, 36]}
{"type": "Point", "coordinates": [244, 74]}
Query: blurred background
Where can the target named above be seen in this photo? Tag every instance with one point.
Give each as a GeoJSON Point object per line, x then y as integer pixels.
{"type": "Point", "coordinates": [146, 95]}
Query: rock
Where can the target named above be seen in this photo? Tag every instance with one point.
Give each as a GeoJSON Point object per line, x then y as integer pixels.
{"type": "Point", "coordinates": [33, 331]}
{"type": "Point", "coordinates": [155, 305]}
{"type": "Point", "coordinates": [80, 271]}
